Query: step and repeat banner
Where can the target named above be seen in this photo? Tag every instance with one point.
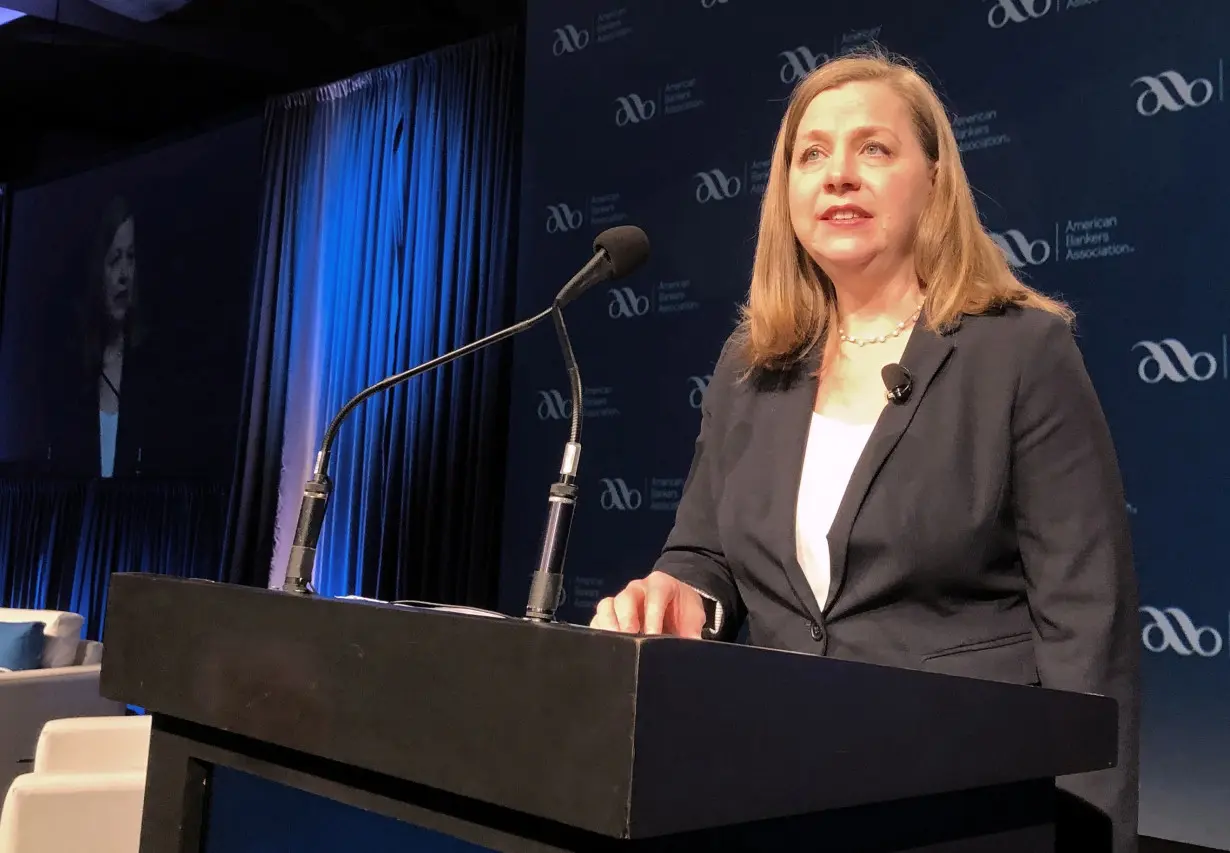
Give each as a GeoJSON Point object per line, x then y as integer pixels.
{"type": "Point", "coordinates": [1093, 132]}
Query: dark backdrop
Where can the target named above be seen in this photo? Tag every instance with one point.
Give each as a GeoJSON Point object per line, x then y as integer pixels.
{"type": "Point", "coordinates": [1094, 135]}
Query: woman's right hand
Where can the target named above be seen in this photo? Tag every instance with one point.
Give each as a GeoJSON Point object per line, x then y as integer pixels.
{"type": "Point", "coordinates": [656, 604]}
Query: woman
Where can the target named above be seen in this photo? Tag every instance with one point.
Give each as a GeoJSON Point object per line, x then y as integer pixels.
{"type": "Point", "coordinates": [976, 523]}
{"type": "Point", "coordinates": [111, 332]}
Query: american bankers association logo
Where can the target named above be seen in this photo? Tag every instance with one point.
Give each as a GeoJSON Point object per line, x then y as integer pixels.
{"type": "Point", "coordinates": [799, 62]}
{"type": "Point", "coordinates": [1172, 630]}
{"type": "Point", "coordinates": [1090, 239]}
{"type": "Point", "coordinates": [627, 303]}
{"type": "Point", "coordinates": [716, 185]}
{"type": "Point", "coordinates": [697, 386]}
{"type": "Point", "coordinates": [617, 495]}
{"type": "Point", "coordinates": [979, 130]}
{"type": "Point", "coordinates": [596, 402]}
{"type": "Point", "coordinates": [1020, 250]}
{"type": "Point", "coordinates": [723, 183]}
{"type": "Point", "coordinates": [606, 27]}
{"type": "Point", "coordinates": [1004, 12]}
{"type": "Point", "coordinates": [1170, 360]}
{"type": "Point", "coordinates": [633, 109]}
{"type": "Point", "coordinates": [668, 298]}
{"type": "Point", "coordinates": [1171, 91]}
{"type": "Point", "coordinates": [562, 218]}
{"type": "Point", "coordinates": [670, 99]}
{"type": "Point", "coordinates": [569, 39]}
{"type": "Point", "coordinates": [553, 406]}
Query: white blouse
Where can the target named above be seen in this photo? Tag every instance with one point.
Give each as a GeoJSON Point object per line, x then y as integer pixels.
{"type": "Point", "coordinates": [833, 449]}
{"type": "Point", "coordinates": [108, 426]}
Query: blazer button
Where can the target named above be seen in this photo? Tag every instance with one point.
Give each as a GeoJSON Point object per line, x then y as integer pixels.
{"type": "Point", "coordinates": [817, 633]}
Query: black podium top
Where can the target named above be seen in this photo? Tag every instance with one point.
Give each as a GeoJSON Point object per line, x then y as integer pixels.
{"type": "Point", "coordinates": [621, 735]}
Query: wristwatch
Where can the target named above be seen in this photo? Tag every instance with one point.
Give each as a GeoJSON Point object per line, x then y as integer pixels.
{"type": "Point", "coordinates": [713, 614]}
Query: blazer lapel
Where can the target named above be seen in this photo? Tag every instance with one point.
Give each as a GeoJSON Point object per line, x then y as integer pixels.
{"type": "Point", "coordinates": [924, 354]}
{"type": "Point", "coordinates": [791, 425]}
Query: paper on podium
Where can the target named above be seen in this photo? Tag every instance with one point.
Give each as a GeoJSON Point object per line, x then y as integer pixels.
{"type": "Point", "coordinates": [431, 605]}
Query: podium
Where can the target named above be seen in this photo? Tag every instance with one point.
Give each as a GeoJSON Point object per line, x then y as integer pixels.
{"type": "Point", "coordinates": [516, 736]}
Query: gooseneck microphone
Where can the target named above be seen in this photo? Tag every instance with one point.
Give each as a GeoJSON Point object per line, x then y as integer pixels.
{"type": "Point", "coordinates": [548, 579]}
{"type": "Point", "coordinates": [898, 381]}
{"type": "Point", "coordinates": [618, 251]}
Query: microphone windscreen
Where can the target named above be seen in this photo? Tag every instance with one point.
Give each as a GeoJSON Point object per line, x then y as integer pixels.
{"type": "Point", "coordinates": [895, 376]}
{"type": "Point", "coordinates": [626, 246]}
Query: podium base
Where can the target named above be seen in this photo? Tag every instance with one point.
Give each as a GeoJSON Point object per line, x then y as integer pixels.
{"type": "Point", "coordinates": [184, 799]}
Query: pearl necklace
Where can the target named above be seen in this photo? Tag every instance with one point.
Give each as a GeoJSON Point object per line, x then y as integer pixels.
{"type": "Point", "coordinates": [879, 339]}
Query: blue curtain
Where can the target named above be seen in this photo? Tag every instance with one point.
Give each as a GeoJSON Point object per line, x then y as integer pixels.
{"type": "Point", "coordinates": [60, 540]}
{"type": "Point", "coordinates": [38, 539]}
{"type": "Point", "coordinates": [388, 228]}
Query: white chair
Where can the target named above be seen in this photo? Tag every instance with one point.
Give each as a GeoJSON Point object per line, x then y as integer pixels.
{"type": "Point", "coordinates": [86, 791]}
{"type": "Point", "coordinates": [66, 685]}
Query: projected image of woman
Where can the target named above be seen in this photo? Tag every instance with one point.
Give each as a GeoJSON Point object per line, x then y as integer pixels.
{"type": "Point", "coordinates": [112, 329]}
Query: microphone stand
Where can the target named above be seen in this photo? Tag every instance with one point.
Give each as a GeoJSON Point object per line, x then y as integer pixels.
{"type": "Point", "coordinates": [617, 252]}
{"type": "Point", "coordinates": [547, 581]}
{"type": "Point", "coordinates": [316, 491]}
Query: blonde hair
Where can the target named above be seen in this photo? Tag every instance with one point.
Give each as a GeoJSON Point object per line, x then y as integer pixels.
{"type": "Point", "coordinates": [960, 268]}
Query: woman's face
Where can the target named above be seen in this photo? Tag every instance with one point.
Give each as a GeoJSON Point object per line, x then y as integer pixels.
{"type": "Point", "coordinates": [119, 268]}
{"type": "Point", "coordinates": [859, 180]}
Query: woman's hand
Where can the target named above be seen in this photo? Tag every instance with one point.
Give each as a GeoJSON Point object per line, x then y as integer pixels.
{"type": "Point", "coordinates": [657, 604]}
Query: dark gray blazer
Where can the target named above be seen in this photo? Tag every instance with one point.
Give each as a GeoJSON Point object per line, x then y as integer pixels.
{"type": "Point", "coordinates": [984, 531]}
